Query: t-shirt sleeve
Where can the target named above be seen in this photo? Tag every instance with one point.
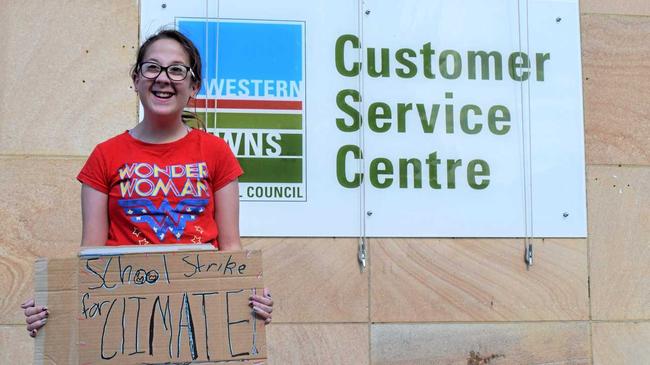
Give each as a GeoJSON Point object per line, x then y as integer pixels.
{"type": "Point", "coordinates": [94, 172]}
{"type": "Point", "coordinates": [226, 166]}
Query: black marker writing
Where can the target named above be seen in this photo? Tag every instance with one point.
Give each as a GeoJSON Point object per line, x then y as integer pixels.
{"type": "Point", "coordinates": [229, 265]}
{"type": "Point", "coordinates": [137, 327]}
{"type": "Point", "coordinates": [229, 323]}
{"type": "Point", "coordinates": [123, 324]}
{"type": "Point", "coordinates": [166, 271]}
{"type": "Point", "coordinates": [104, 357]}
{"type": "Point", "coordinates": [94, 310]}
{"type": "Point", "coordinates": [205, 320]}
{"type": "Point", "coordinates": [197, 267]}
{"type": "Point", "coordinates": [254, 350]}
{"type": "Point", "coordinates": [185, 309]}
{"type": "Point", "coordinates": [123, 271]}
{"type": "Point", "coordinates": [102, 277]}
{"type": "Point", "coordinates": [165, 315]}
{"type": "Point", "coordinates": [227, 268]}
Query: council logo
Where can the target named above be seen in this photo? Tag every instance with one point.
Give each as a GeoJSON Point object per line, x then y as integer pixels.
{"type": "Point", "coordinates": [253, 96]}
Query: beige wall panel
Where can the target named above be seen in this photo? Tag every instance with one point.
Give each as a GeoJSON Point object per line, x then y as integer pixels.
{"type": "Point", "coordinates": [314, 279]}
{"type": "Point", "coordinates": [16, 284]}
{"type": "Point", "coordinates": [477, 280]}
{"type": "Point", "coordinates": [41, 206]}
{"type": "Point", "coordinates": [64, 66]}
{"type": "Point", "coordinates": [479, 344]}
{"type": "Point", "coordinates": [619, 241]}
{"type": "Point", "coordinates": [627, 7]}
{"type": "Point", "coordinates": [40, 213]}
{"type": "Point", "coordinates": [16, 345]}
{"type": "Point", "coordinates": [616, 70]}
{"type": "Point", "coordinates": [621, 343]}
{"type": "Point", "coordinates": [320, 344]}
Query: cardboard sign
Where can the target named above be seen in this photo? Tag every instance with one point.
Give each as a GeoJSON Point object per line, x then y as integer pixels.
{"type": "Point", "coordinates": [151, 307]}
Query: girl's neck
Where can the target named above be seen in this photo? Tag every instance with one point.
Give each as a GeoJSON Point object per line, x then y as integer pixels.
{"type": "Point", "coordinates": [157, 132]}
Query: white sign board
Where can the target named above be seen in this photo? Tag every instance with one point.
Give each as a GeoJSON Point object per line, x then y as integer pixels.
{"type": "Point", "coordinates": [382, 118]}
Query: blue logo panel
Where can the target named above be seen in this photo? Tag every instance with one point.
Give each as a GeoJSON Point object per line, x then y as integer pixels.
{"type": "Point", "coordinates": [246, 50]}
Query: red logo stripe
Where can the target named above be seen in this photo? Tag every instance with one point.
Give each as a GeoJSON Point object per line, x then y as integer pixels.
{"type": "Point", "coordinates": [245, 104]}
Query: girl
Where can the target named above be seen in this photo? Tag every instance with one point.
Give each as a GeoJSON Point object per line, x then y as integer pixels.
{"type": "Point", "coordinates": [162, 181]}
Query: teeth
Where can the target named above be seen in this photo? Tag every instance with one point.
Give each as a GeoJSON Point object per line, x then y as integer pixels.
{"type": "Point", "coordinates": [163, 94]}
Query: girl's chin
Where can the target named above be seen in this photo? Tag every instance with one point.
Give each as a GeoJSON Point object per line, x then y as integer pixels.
{"type": "Point", "coordinates": [165, 113]}
{"type": "Point", "coordinates": [163, 110]}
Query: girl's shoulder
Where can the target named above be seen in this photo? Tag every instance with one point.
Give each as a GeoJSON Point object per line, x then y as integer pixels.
{"type": "Point", "coordinates": [115, 141]}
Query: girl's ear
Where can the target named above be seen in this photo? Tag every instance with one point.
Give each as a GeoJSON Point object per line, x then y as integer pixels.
{"type": "Point", "coordinates": [195, 88]}
{"type": "Point", "coordinates": [136, 80]}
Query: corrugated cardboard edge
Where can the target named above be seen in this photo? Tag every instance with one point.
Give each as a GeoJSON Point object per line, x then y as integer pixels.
{"type": "Point", "coordinates": [124, 250]}
{"type": "Point", "coordinates": [40, 296]}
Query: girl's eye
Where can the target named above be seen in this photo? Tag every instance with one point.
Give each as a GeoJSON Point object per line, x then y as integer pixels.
{"type": "Point", "coordinates": [176, 70]}
{"type": "Point", "coordinates": [151, 67]}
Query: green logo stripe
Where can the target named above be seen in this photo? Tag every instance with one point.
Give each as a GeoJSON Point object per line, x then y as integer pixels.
{"type": "Point", "coordinates": [267, 170]}
{"type": "Point", "coordinates": [291, 144]}
{"type": "Point", "coordinates": [252, 120]}
{"type": "Point", "coordinates": [263, 144]}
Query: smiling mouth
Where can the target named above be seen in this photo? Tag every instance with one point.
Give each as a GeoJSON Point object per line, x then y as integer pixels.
{"type": "Point", "coordinates": [163, 94]}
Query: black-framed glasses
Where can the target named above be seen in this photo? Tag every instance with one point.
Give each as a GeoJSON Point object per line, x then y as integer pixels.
{"type": "Point", "coordinates": [151, 70]}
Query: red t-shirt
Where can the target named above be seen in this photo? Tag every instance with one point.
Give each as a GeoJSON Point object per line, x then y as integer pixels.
{"type": "Point", "coordinates": [161, 193]}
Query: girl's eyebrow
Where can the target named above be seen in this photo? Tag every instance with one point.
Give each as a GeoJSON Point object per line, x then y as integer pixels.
{"type": "Point", "coordinates": [153, 59]}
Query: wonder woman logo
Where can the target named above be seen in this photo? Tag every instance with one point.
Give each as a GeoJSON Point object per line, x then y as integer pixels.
{"type": "Point", "coordinates": [165, 218]}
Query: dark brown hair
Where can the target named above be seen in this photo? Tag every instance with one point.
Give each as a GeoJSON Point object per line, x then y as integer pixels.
{"type": "Point", "coordinates": [188, 117]}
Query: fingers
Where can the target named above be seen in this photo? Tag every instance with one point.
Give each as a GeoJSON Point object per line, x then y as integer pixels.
{"type": "Point", "coordinates": [30, 311]}
{"type": "Point", "coordinates": [263, 300]}
{"type": "Point", "coordinates": [35, 326]}
{"type": "Point", "coordinates": [262, 305]}
{"type": "Point", "coordinates": [28, 303]}
{"type": "Point", "coordinates": [37, 317]}
{"type": "Point", "coordinates": [266, 316]}
{"type": "Point", "coordinates": [261, 312]}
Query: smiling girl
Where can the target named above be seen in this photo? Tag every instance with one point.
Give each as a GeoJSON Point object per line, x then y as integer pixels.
{"type": "Point", "coordinates": [161, 182]}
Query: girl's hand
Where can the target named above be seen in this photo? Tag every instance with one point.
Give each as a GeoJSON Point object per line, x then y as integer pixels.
{"type": "Point", "coordinates": [262, 305]}
{"type": "Point", "coordinates": [35, 316]}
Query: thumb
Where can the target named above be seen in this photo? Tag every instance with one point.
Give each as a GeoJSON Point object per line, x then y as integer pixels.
{"type": "Point", "coordinates": [28, 303]}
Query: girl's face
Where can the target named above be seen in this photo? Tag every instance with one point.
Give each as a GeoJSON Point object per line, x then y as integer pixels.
{"type": "Point", "coordinates": [162, 97]}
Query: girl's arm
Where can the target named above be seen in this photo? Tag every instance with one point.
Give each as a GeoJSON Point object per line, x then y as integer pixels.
{"type": "Point", "coordinates": [226, 204]}
{"type": "Point", "coordinates": [94, 217]}
{"type": "Point", "coordinates": [226, 214]}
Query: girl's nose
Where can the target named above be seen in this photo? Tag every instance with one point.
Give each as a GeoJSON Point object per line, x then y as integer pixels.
{"type": "Point", "coordinates": [163, 77]}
